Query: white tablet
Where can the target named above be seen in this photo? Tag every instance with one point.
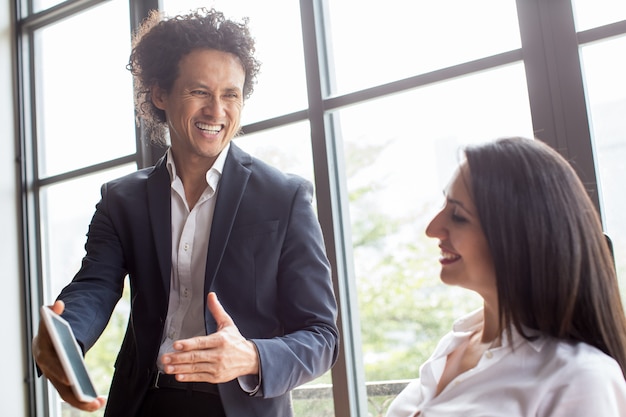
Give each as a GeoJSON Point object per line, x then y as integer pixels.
{"type": "Point", "coordinates": [70, 354]}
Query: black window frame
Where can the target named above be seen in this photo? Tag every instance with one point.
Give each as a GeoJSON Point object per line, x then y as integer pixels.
{"type": "Point", "coordinates": [549, 51]}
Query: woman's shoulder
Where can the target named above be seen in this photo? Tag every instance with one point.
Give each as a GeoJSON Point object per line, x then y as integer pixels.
{"type": "Point", "coordinates": [580, 380]}
{"type": "Point", "coordinates": [586, 358]}
{"type": "Point", "coordinates": [570, 361]}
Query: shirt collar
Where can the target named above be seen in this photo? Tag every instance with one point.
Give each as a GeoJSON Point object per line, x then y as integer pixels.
{"type": "Point", "coordinates": [213, 175]}
{"type": "Point", "coordinates": [469, 322]}
{"type": "Point", "coordinates": [474, 320]}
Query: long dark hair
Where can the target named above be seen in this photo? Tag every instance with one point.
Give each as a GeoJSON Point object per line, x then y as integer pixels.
{"type": "Point", "coordinates": [554, 269]}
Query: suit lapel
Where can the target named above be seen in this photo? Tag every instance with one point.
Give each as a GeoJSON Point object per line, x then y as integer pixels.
{"type": "Point", "coordinates": [231, 189]}
{"type": "Point", "coordinates": [159, 203]}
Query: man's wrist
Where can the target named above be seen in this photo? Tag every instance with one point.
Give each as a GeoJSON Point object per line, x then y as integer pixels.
{"type": "Point", "coordinates": [254, 358]}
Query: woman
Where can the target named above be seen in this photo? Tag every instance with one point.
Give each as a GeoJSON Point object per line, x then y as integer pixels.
{"type": "Point", "coordinates": [519, 229]}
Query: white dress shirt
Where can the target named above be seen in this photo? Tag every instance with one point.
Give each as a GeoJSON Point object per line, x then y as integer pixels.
{"type": "Point", "coordinates": [190, 243]}
{"type": "Point", "coordinates": [191, 230]}
{"type": "Point", "coordinates": [541, 378]}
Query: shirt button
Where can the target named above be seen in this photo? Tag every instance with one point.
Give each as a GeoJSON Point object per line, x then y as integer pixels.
{"type": "Point", "coordinates": [186, 247]}
{"type": "Point", "coordinates": [489, 355]}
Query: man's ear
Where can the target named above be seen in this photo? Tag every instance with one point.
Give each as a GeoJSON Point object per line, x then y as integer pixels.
{"type": "Point", "coordinates": [158, 96]}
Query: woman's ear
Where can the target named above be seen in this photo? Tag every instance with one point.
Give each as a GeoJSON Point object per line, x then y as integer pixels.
{"type": "Point", "coordinates": [158, 97]}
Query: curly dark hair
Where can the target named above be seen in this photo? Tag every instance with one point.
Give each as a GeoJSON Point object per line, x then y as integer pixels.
{"type": "Point", "coordinates": [160, 43]}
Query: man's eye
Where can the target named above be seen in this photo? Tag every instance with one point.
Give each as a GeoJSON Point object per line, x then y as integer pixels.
{"type": "Point", "coordinates": [198, 93]}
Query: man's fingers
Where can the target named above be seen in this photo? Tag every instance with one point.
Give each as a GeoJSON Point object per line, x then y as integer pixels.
{"type": "Point", "coordinates": [198, 343]}
{"type": "Point", "coordinates": [66, 393]}
{"type": "Point", "coordinates": [45, 354]}
{"type": "Point", "coordinates": [222, 319]}
{"type": "Point", "coordinates": [58, 307]}
{"type": "Point", "coordinates": [47, 359]}
{"type": "Point", "coordinates": [219, 314]}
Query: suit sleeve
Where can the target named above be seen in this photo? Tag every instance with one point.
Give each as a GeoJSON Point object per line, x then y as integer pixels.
{"type": "Point", "coordinates": [95, 290]}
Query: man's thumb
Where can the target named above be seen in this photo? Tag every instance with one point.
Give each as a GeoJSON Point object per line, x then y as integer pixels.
{"type": "Point", "coordinates": [219, 314]}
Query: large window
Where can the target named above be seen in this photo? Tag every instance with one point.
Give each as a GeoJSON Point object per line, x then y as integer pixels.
{"type": "Point", "coordinates": [369, 102]}
{"type": "Point", "coordinates": [396, 172]}
{"type": "Point", "coordinates": [604, 64]}
{"type": "Point", "coordinates": [80, 134]}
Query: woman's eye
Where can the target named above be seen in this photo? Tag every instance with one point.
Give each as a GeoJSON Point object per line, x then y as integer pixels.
{"type": "Point", "coordinates": [458, 219]}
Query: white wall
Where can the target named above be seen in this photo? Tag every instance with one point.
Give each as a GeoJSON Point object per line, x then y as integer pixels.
{"type": "Point", "coordinates": [13, 394]}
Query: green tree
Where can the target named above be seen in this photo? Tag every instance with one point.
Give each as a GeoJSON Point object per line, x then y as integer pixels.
{"type": "Point", "coordinates": [403, 306]}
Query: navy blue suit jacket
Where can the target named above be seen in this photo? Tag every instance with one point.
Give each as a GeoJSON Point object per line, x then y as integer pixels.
{"type": "Point", "coordinates": [266, 262]}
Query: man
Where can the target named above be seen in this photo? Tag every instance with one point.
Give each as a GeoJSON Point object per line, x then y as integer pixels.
{"type": "Point", "coordinates": [232, 302]}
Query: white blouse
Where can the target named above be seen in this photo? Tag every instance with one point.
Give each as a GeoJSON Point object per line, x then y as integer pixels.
{"type": "Point", "coordinates": [541, 378]}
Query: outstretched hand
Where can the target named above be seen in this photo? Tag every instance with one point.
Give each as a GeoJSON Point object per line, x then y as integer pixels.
{"type": "Point", "coordinates": [218, 357]}
{"type": "Point", "coordinates": [48, 361]}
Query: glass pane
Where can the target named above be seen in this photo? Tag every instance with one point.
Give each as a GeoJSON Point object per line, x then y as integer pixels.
{"type": "Point", "coordinates": [287, 148]}
{"type": "Point", "coordinates": [84, 92]}
{"type": "Point", "coordinates": [395, 178]}
{"type": "Point", "coordinates": [604, 66]}
{"type": "Point", "coordinates": [40, 5]}
{"type": "Point", "coordinates": [593, 13]}
{"type": "Point", "coordinates": [374, 43]}
{"type": "Point", "coordinates": [281, 85]}
{"type": "Point", "coordinates": [67, 209]}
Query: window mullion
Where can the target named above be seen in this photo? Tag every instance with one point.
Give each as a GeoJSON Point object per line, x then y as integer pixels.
{"type": "Point", "coordinates": [555, 83]}
{"type": "Point", "coordinates": [147, 152]}
{"type": "Point", "coordinates": [349, 394]}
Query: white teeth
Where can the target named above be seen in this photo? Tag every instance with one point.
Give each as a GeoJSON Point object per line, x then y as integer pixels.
{"type": "Point", "coordinates": [209, 128]}
{"type": "Point", "coordinates": [449, 256]}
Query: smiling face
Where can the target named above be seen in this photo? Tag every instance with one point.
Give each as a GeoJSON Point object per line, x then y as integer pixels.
{"type": "Point", "coordinates": [465, 257]}
{"type": "Point", "coordinates": [204, 106]}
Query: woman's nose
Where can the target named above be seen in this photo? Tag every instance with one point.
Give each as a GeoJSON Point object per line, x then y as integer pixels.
{"type": "Point", "coordinates": [435, 228]}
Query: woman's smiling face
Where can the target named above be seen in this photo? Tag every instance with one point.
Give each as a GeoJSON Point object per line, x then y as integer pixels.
{"type": "Point", "coordinates": [465, 256]}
